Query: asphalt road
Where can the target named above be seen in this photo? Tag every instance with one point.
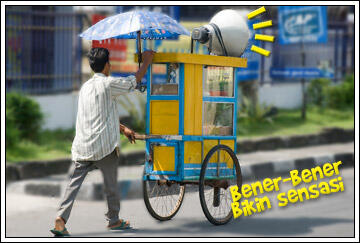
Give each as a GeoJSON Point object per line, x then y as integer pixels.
{"type": "Point", "coordinates": [328, 216]}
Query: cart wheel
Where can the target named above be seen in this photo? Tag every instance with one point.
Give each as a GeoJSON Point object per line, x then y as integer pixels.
{"type": "Point", "coordinates": [163, 198]}
{"type": "Point", "coordinates": [215, 181]}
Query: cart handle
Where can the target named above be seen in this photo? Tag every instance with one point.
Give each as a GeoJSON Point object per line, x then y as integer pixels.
{"type": "Point", "coordinates": [167, 137]}
{"type": "Point", "coordinates": [144, 137]}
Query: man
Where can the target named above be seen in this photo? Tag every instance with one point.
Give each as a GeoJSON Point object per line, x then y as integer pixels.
{"type": "Point", "coordinates": [96, 143]}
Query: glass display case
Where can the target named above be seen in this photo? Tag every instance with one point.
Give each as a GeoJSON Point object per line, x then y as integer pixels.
{"type": "Point", "coordinates": [218, 81]}
{"type": "Point", "coordinates": [165, 79]}
{"type": "Point", "coordinates": [218, 118]}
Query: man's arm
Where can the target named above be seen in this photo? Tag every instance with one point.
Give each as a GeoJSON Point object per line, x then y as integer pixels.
{"type": "Point", "coordinates": [147, 57]}
{"type": "Point", "coordinates": [119, 86]}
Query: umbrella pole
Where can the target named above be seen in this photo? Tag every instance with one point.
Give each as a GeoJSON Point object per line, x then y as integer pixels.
{"type": "Point", "coordinates": [138, 40]}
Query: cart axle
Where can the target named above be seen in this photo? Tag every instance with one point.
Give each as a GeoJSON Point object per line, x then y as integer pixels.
{"type": "Point", "coordinates": [213, 183]}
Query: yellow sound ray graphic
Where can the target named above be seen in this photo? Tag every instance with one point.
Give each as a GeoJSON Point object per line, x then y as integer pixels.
{"type": "Point", "coordinates": [264, 37]}
{"type": "Point", "coordinates": [260, 50]}
{"type": "Point", "coordinates": [256, 12]}
{"type": "Point", "coordinates": [262, 24]}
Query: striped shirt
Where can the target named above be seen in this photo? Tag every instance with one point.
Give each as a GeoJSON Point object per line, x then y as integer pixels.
{"type": "Point", "coordinates": [97, 121]}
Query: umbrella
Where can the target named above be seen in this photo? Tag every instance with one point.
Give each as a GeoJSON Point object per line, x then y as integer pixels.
{"type": "Point", "coordinates": [135, 24]}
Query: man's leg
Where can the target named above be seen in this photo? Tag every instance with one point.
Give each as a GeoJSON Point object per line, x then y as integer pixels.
{"type": "Point", "coordinates": [108, 167]}
{"type": "Point", "coordinates": [77, 177]}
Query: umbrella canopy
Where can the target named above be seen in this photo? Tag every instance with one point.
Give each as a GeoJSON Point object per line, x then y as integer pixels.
{"type": "Point", "coordinates": [153, 25]}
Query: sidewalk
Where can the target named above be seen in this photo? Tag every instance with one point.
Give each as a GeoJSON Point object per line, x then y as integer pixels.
{"type": "Point", "coordinates": [253, 165]}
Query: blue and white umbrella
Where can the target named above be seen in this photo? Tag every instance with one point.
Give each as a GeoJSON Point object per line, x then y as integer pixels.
{"type": "Point", "coordinates": [135, 25]}
{"type": "Point", "coordinates": [151, 25]}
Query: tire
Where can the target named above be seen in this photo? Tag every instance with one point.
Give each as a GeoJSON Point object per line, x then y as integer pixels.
{"type": "Point", "coordinates": [220, 194]}
{"type": "Point", "coordinates": [161, 195]}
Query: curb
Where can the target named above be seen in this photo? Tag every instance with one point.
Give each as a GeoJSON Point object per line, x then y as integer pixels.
{"type": "Point", "coordinates": [326, 136]}
{"type": "Point", "coordinates": [28, 170]}
{"type": "Point", "coordinates": [273, 168]}
{"type": "Point", "coordinates": [132, 189]}
{"type": "Point", "coordinates": [38, 169]}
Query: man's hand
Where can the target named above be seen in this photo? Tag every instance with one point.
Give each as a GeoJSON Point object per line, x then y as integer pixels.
{"type": "Point", "coordinates": [130, 134]}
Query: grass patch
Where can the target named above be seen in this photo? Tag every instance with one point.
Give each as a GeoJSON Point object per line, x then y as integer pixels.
{"type": "Point", "coordinates": [51, 145]}
{"type": "Point", "coordinates": [54, 145]}
{"type": "Point", "coordinates": [27, 151]}
{"type": "Point", "coordinates": [289, 122]}
{"type": "Point", "coordinates": [57, 144]}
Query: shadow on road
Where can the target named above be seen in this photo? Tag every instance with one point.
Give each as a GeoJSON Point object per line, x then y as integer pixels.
{"type": "Point", "coordinates": [257, 226]}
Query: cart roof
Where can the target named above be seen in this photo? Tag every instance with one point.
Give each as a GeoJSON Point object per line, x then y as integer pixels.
{"type": "Point", "coordinates": [198, 59]}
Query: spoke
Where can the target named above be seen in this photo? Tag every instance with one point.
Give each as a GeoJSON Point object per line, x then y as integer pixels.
{"type": "Point", "coordinates": [153, 187]}
{"type": "Point", "coordinates": [164, 199]}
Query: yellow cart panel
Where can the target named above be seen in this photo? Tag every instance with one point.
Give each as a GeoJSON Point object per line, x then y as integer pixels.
{"type": "Point", "coordinates": [164, 117]}
{"type": "Point", "coordinates": [164, 158]}
{"type": "Point", "coordinates": [192, 152]}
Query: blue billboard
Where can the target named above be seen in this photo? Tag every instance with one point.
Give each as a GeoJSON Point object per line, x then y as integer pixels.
{"type": "Point", "coordinates": [302, 24]}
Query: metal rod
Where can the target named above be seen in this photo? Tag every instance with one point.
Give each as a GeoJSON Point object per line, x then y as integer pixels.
{"type": "Point", "coordinates": [222, 183]}
{"type": "Point", "coordinates": [303, 81]}
{"type": "Point", "coordinates": [138, 38]}
{"type": "Point", "coordinates": [192, 46]}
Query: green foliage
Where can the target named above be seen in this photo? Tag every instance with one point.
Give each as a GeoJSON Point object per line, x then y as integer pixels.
{"type": "Point", "coordinates": [322, 94]}
{"type": "Point", "coordinates": [12, 134]}
{"type": "Point", "coordinates": [349, 85]}
{"type": "Point", "coordinates": [222, 85]}
{"type": "Point", "coordinates": [317, 91]}
{"type": "Point", "coordinates": [254, 112]}
{"type": "Point", "coordinates": [341, 96]}
{"type": "Point", "coordinates": [23, 118]}
{"type": "Point", "coordinates": [223, 114]}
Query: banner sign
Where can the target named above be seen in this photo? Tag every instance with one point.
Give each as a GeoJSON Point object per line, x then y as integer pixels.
{"type": "Point", "coordinates": [249, 73]}
{"type": "Point", "coordinates": [302, 24]}
{"type": "Point", "coordinates": [280, 73]}
{"type": "Point", "coordinates": [116, 47]}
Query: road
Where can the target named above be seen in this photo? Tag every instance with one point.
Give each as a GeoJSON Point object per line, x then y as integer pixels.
{"type": "Point", "coordinates": [328, 216]}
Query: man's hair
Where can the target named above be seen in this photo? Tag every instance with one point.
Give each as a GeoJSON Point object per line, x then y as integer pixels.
{"type": "Point", "coordinates": [98, 57]}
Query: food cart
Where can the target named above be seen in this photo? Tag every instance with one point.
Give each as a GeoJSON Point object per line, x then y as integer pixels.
{"type": "Point", "coordinates": [191, 133]}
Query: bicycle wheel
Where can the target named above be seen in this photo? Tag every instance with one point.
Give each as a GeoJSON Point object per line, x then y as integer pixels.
{"type": "Point", "coordinates": [216, 177]}
{"type": "Point", "coordinates": [163, 198]}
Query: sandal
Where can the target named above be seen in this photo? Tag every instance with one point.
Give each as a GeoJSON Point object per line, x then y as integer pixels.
{"type": "Point", "coordinates": [120, 225]}
{"type": "Point", "coordinates": [61, 233]}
